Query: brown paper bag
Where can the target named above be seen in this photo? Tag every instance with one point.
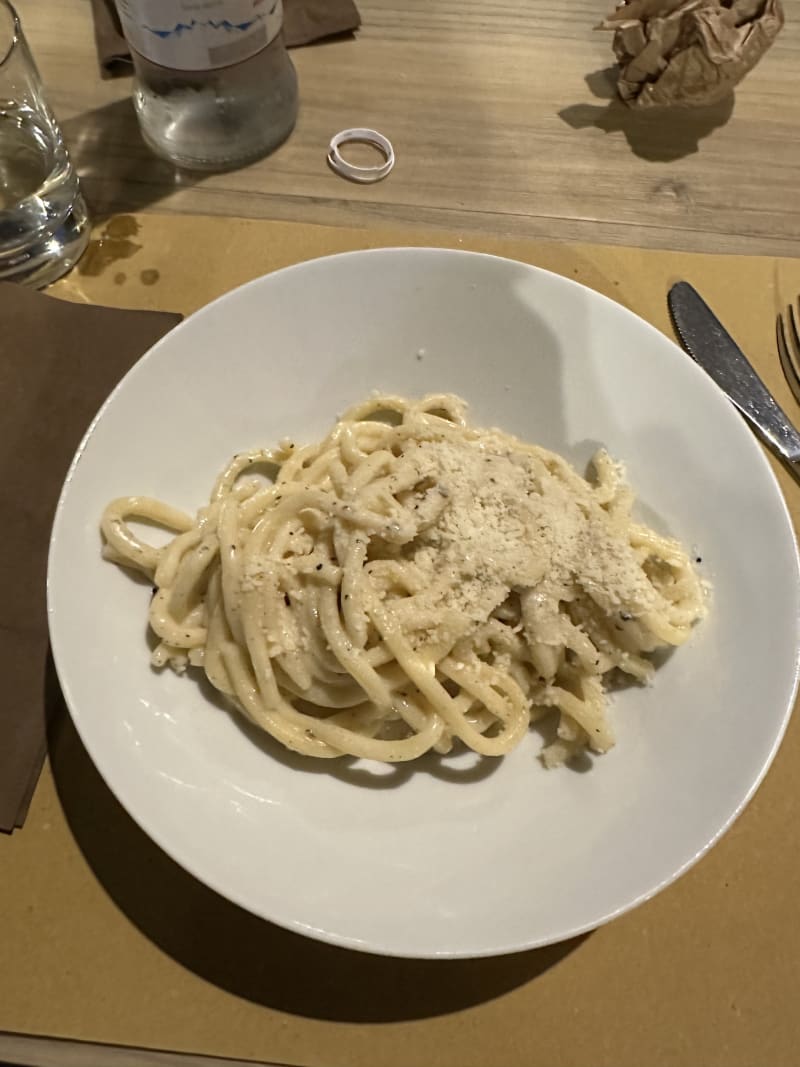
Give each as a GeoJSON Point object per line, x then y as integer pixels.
{"type": "Point", "coordinates": [688, 52]}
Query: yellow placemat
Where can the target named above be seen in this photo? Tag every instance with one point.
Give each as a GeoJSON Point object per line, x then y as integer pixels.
{"type": "Point", "coordinates": [104, 939]}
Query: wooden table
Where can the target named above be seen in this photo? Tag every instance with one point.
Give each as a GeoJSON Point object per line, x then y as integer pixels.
{"type": "Point", "coordinates": [498, 134]}
{"type": "Point", "coordinates": [501, 119]}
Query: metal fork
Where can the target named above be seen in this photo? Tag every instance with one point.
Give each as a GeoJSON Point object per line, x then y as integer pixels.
{"type": "Point", "coordinates": [788, 339]}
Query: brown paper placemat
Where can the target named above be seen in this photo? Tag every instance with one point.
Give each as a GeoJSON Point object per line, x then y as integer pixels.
{"type": "Point", "coordinates": [57, 363]}
{"type": "Point", "coordinates": [304, 21]}
{"type": "Point", "coordinates": [105, 939]}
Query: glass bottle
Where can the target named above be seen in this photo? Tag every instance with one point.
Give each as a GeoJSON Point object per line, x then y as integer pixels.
{"type": "Point", "coordinates": [215, 87]}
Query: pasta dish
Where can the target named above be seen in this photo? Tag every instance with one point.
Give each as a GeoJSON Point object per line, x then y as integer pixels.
{"type": "Point", "coordinates": [412, 582]}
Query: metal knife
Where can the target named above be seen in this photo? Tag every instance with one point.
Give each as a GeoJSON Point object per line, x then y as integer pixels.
{"type": "Point", "coordinates": [709, 344]}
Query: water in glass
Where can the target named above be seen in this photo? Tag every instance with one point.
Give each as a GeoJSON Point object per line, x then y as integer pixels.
{"type": "Point", "coordinates": [44, 224]}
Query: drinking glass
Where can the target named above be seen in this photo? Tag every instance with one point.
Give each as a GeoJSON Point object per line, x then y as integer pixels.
{"type": "Point", "coordinates": [44, 224]}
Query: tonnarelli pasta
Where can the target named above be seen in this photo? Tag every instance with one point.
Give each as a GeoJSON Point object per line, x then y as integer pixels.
{"type": "Point", "coordinates": [411, 582]}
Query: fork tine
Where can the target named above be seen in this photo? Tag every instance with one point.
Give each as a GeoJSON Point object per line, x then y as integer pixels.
{"type": "Point", "coordinates": [793, 326]}
{"type": "Point", "coordinates": [789, 351]}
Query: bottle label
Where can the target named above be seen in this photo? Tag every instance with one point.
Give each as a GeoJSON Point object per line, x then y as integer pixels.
{"type": "Point", "coordinates": [199, 34]}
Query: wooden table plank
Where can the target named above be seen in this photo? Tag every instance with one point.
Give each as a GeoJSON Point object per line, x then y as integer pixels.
{"type": "Point", "coordinates": [495, 127]}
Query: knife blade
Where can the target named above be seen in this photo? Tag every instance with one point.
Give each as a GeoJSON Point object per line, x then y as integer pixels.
{"type": "Point", "coordinates": [712, 347]}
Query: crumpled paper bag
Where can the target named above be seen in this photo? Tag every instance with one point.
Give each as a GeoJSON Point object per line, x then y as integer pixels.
{"type": "Point", "coordinates": [688, 52]}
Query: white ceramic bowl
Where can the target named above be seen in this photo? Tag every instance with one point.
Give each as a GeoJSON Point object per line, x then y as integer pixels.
{"type": "Point", "coordinates": [461, 858]}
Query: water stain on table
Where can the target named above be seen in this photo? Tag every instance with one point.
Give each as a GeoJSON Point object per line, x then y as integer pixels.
{"type": "Point", "coordinates": [114, 243]}
{"type": "Point", "coordinates": [149, 277]}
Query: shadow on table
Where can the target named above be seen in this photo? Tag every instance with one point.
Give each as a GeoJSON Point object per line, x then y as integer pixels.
{"type": "Point", "coordinates": [118, 172]}
{"type": "Point", "coordinates": [658, 135]}
{"type": "Point", "coordinates": [239, 952]}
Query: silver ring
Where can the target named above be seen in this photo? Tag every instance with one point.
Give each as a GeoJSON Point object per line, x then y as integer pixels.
{"type": "Point", "coordinates": [350, 170]}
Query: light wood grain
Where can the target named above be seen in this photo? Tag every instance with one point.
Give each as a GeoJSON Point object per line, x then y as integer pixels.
{"type": "Point", "coordinates": [495, 126]}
